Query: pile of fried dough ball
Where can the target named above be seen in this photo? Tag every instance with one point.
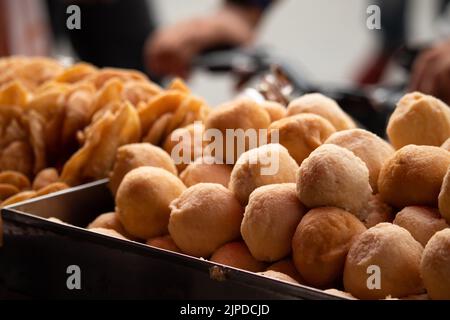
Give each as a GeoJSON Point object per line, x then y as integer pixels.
{"type": "Point", "coordinates": [346, 212]}
{"type": "Point", "coordinates": [62, 126]}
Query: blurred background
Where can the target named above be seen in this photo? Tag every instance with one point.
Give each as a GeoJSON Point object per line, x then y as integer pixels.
{"type": "Point", "coordinates": [326, 41]}
{"type": "Point", "coordinates": [329, 40]}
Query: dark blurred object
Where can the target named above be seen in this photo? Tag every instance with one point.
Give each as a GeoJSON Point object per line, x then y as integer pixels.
{"type": "Point", "coordinates": [113, 33]}
{"type": "Point", "coordinates": [279, 81]}
{"type": "Point", "coordinates": [394, 34]}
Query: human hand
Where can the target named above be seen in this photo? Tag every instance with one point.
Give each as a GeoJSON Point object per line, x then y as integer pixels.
{"type": "Point", "coordinates": [171, 50]}
{"type": "Point", "coordinates": [431, 72]}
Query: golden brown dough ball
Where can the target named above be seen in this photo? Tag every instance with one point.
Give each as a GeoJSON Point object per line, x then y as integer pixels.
{"type": "Point", "coordinates": [271, 217]}
{"type": "Point", "coordinates": [275, 110]}
{"type": "Point", "coordinates": [278, 276]}
{"type": "Point", "coordinates": [188, 138]}
{"type": "Point", "coordinates": [323, 106]}
{"type": "Point", "coordinates": [204, 218]}
{"type": "Point", "coordinates": [237, 255]}
{"type": "Point", "coordinates": [287, 267]}
{"type": "Point", "coordinates": [394, 251]}
{"type": "Point", "coordinates": [333, 176]}
{"type": "Point", "coordinates": [109, 221]}
{"type": "Point", "coordinates": [413, 176]}
{"type": "Point", "coordinates": [269, 164]}
{"type": "Point", "coordinates": [419, 119]}
{"type": "Point", "coordinates": [239, 114]}
{"type": "Point", "coordinates": [45, 177]}
{"type": "Point", "coordinates": [444, 198]}
{"type": "Point", "coordinates": [370, 148]}
{"type": "Point", "coordinates": [446, 145]}
{"type": "Point", "coordinates": [108, 232]}
{"type": "Point", "coordinates": [205, 170]}
{"type": "Point", "coordinates": [301, 134]}
{"type": "Point", "coordinates": [165, 242]}
{"type": "Point", "coordinates": [376, 212]}
{"type": "Point", "coordinates": [421, 222]}
{"type": "Point", "coordinates": [321, 243]}
{"type": "Point", "coordinates": [137, 155]}
{"type": "Point", "coordinates": [435, 266]}
{"type": "Point", "coordinates": [143, 200]}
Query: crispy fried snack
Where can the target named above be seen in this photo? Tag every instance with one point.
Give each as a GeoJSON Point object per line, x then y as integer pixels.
{"type": "Point", "coordinates": [21, 196]}
{"type": "Point", "coordinates": [45, 177]}
{"type": "Point", "coordinates": [76, 73]}
{"type": "Point", "coordinates": [17, 156]}
{"type": "Point", "coordinates": [17, 179]}
{"type": "Point", "coordinates": [101, 77]}
{"type": "Point", "coordinates": [52, 188]}
{"type": "Point", "coordinates": [165, 102]}
{"type": "Point", "coordinates": [7, 190]}
{"type": "Point", "coordinates": [94, 160]}
{"type": "Point", "coordinates": [31, 72]}
{"type": "Point", "coordinates": [156, 134]}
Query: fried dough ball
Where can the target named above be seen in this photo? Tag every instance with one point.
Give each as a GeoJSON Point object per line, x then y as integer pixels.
{"type": "Point", "coordinates": [271, 217]}
{"type": "Point", "coordinates": [413, 176]}
{"type": "Point", "coordinates": [45, 177]}
{"type": "Point", "coordinates": [321, 243]}
{"type": "Point", "coordinates": [419, 119]}
{"type": "Point", "coordinates": [204, 218]}
{"type": "Point", "coordinates": [108, 232]}
{"type": "Point", "coordinates": [204, 170]}
{"type": "Point", "coordinates": [397, 255]}
{"type": "Point", "coordinates": [239, 114]}
{"type": "Point", "coordinates": [370, 148]}
{"type": "Point", "coordinates": [275, 110]}
{"type": "Point", "coordinates": [287, 267]}
{"type": "Point", "coordinates": [137, 155]}
{"type": "Point", "coordinates": [237, 255]}
{"type": "Point", "coordinates": [109, 221]}
{"type": "Point", "coordinates": [446, 145]}
{"type": "Point", "coordinates": [334, 176]}
{"type": "Point", "coordinates": [323, 106]}
{"type": "Point", "coordinates": [165, 243]}
{"type": "Point", "coordinates": [269, 164]}
{"type": "Point", "coordinates": [183, 139]}
{"type": "Point", "coordinates": [21, 196]}
{"type": "Point", "coordinates": [444, 198]}
{"type": "Point", "coordinates": [435, 266]}
{"type": "Point", "coordinates": [376, 211]}
{"type": "Point", "coordinates": [17, 156]}
{"type": "Point", "coordinates": [421, 222]}
{"type": "Point", "coordinates": [143, 200]}
{"type": "Point", "coordinates": [7, 191]}
{"type": "Point", "coordinates": [17, 179]}
{"type": "Point", "coordinates": [278, 276]}
{"type": "Point", "coordinates": [301, 134]}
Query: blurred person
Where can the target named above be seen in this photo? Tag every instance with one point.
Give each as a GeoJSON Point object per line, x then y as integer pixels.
{"type": "Point", "coordinates": [431, 72]}
{"type": "Point", "coordinates": [172, 49]}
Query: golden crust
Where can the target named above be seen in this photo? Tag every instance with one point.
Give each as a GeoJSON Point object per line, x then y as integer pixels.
{"type": "Point", "coordinates": [204, 218]}
{"type": "Point", "coordinates": [413, 176]}
{"type": "Point", "coordinates": [321, 243]}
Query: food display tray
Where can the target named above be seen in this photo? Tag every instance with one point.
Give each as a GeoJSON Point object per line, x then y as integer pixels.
{"type": "Point", "coordinates": [38, 255]}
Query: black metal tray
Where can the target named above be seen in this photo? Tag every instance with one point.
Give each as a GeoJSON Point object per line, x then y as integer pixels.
{"type": "Point", "coordinates": [36, 253]}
